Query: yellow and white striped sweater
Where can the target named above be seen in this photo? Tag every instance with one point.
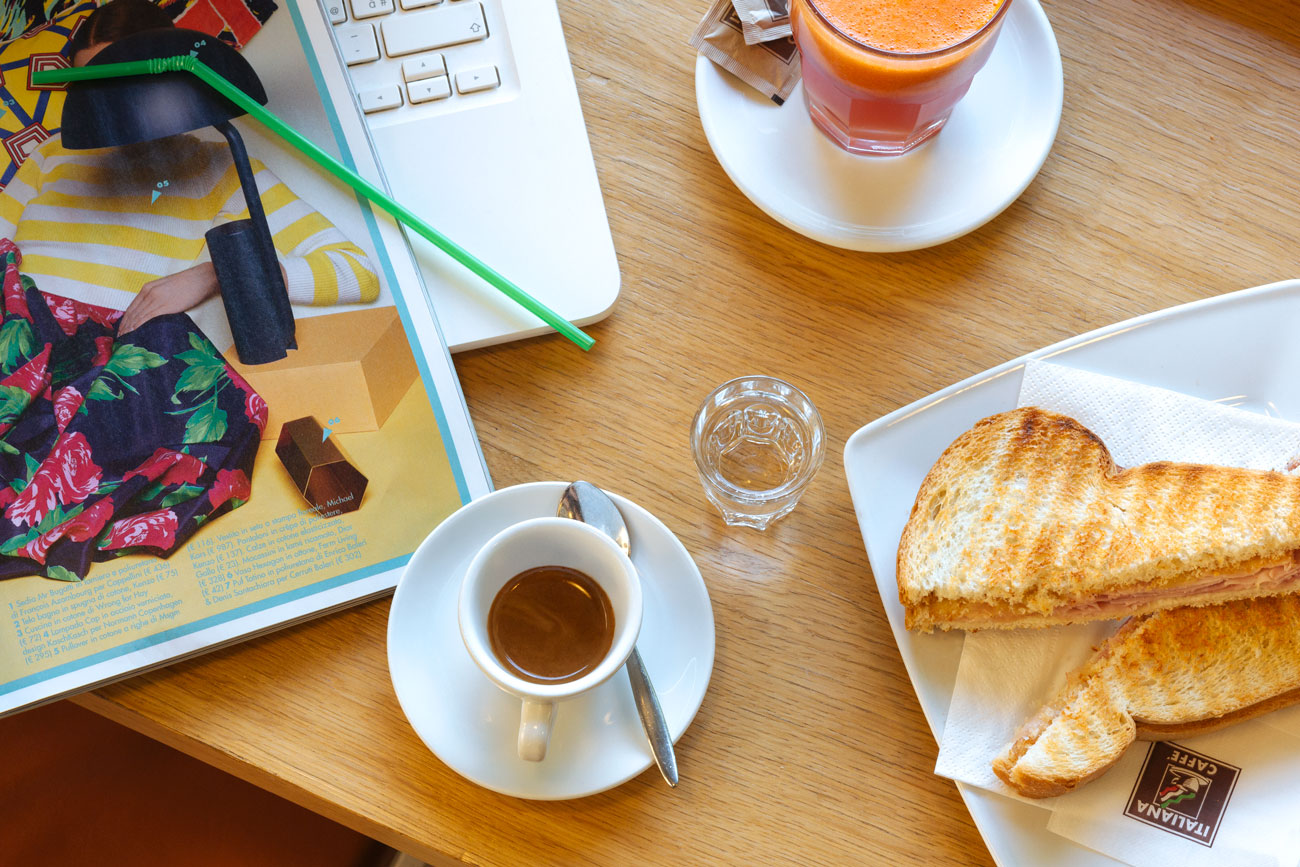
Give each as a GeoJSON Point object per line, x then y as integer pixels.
{"type": "Point", "coordinates": [87, 228]}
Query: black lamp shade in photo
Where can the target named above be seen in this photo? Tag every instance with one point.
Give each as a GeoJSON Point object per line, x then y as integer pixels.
{"type": "Point", "coordinates": [112, 112]}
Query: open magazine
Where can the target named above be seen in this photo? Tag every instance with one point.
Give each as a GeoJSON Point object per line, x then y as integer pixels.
{"type": "Point", "coordinates": [159, 495]}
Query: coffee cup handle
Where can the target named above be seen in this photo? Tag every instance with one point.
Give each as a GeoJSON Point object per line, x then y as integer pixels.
{"type": "Point", "coordinates": [535, 721]}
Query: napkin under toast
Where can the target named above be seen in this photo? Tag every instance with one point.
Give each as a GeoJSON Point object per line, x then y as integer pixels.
{"type": "Point", "coordinates": [1025, 520]}
{"type": "Point", "coordinates": [1171, 674]}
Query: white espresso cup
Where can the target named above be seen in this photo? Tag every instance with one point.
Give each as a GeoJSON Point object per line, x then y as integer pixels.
{"type": "Point", "coordinates": [548, 542]}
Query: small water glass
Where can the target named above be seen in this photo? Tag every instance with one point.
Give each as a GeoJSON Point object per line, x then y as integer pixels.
{"type": "Point", "coordinates": [757, 442]}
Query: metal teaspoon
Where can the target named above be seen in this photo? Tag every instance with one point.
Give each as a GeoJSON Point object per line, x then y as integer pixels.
{"type": "Point", "coordinates": [583, 501]}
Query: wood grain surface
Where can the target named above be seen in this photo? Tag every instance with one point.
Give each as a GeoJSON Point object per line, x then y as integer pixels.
{"type": "Point", "coordinates": [1174, 177]}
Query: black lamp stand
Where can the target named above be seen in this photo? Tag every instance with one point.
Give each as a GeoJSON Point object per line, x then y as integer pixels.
{"type": "Point", "coordinates": [243, 255]}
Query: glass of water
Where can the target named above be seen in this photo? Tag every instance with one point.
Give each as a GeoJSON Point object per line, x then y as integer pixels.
{"type": "Point", "coordinates": [757, 442]}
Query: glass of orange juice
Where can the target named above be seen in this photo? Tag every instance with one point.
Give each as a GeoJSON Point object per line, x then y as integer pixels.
{"type": "Point", "coordinates": [882, 76]}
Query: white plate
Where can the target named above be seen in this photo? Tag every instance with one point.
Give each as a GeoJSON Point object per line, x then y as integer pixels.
{"type": "Point", "coordinates": [1235, 348]}
{"type": "Point", "coordinates": [598, 741]}
{"type": "Point", "coordinates": [991, 148]}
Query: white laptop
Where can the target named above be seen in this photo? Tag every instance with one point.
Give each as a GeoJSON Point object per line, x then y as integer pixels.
{"type": "Point", "coordinates": [475, 119]}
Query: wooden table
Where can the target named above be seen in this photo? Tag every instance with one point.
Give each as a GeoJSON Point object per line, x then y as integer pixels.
{"type": "Point", "coordinates": [1174, 177]}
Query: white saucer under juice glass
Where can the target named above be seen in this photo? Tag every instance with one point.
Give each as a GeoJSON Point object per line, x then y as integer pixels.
{"type": "Point", "coordinates": [989, 151]}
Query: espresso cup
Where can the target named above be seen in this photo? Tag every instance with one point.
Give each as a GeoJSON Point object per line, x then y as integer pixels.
{"type": "Point", "coordinates": [532, 544]}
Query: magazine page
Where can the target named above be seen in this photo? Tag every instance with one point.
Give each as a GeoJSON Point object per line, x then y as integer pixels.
{"type": "Point", "coordinates": [181, 466]}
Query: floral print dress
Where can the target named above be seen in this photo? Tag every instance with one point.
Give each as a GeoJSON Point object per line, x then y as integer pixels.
{"type": "Point", "coordinates": [111, 445]}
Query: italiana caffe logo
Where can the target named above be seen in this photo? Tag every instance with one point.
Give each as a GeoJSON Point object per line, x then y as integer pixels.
{"type": "Point", "coordinates": [1183, 792]}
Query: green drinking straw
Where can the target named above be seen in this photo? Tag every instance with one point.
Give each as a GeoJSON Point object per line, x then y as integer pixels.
{"type": "Point", "coordinates": [214, 80]}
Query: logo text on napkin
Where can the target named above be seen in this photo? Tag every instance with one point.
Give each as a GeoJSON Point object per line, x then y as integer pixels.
{"type": "Point", "coordinates": [1182, 791]}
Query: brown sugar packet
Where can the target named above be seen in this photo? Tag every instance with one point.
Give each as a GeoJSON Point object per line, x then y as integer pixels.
{"type": "Point", "coordinates": [763, 20]}
{"type": "Point", "coordinates": [772, 67]}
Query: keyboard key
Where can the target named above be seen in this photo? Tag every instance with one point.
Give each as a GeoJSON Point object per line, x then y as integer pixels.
{"type": "Point", "coordinates": [357, 43]}
{"type": "Point", "coordinates": [416, 4]}
{"type": "Point", "coordinates": [336, 11]}
{"type": "Point", "coordinates": [429, 89]}
{"type": "Point", "coordinates": [473, 80]}
{"type": "Point", "coordinates": [419, 68]}
{"type": "Point", "coordinates": [371, 8]}
{"type": "Point", "coordinates": [380, 99]}
{"type": "Point", "coordinates": [434, 28]}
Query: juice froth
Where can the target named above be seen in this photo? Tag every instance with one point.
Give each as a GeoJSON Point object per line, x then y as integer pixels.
{"type": "Point", "coordinates": [908, 26]}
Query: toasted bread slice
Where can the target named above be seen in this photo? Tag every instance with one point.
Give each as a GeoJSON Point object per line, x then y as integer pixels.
{"type": "Point", "coordinates": [1175, 673]}
{"type": "Point", "coordinates": [1026, 521]}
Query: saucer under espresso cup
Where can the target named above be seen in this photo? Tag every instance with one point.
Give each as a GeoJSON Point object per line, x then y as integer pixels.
{"type": "Point", "coordinates": [989, 150]}
{"type": "Point", "coordinates": [472, 726]}
{"type": "Point", "coordinates": [548, 543]}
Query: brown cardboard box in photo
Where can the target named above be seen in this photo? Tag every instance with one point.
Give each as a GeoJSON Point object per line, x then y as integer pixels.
{"type": "Point", "coordinates": [352, 366]}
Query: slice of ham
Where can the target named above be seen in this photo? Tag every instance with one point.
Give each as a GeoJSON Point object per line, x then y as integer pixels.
{"type": "Point", "coordinates": [1272, 580]}
{"type": "Point", "coordinates": [1266, 582]}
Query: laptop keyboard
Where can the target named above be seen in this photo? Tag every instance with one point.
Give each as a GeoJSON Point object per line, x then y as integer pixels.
{"type": "Point", "coordinates": [417, 53]}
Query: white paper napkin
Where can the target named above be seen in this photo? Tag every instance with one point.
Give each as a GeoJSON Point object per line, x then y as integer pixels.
{"type": "Point", "coordinates": [1004, 677]}
{"type": "Point", "coordinates": [1258, 824]}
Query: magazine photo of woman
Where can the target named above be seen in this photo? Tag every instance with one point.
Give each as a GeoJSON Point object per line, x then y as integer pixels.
{"type": "Point", "coordinates": [122, 427]}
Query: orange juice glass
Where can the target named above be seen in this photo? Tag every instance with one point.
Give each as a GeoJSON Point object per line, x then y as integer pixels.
{"type": "Point", "coordinates": [882, 76]}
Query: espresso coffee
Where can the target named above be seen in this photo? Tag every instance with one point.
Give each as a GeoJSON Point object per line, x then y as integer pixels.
{"type": "Point", "coordinates": [550, 624]}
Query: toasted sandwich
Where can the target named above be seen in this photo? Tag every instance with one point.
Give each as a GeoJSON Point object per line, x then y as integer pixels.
{"type": "Point", "coordinates": [1025, 520]}
{"type": "Point", "coordinates": [1171, 674]}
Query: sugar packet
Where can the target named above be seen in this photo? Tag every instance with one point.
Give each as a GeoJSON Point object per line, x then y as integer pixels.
{"type": "Point", "coordinates": [763, 20]}
{"type": "Point", "coordinates": [771, 68]}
